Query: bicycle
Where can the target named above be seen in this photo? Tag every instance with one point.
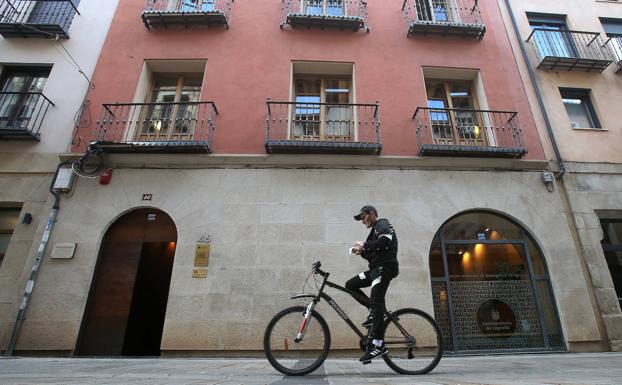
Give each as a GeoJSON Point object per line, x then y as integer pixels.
{"type": "Point", "coordinates": [297, 339]}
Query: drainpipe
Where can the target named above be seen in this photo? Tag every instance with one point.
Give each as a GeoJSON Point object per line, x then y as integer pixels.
{"type": "Point", "coordinates": [534, 82]}
{"type": "Point", "coordinates": [21, 314]}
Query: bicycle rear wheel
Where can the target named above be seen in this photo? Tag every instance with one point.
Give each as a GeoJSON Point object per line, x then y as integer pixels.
{"type": "Point", "coordinates": [291, 357]}
{"type": "Point", "coordinates": [414, 342]}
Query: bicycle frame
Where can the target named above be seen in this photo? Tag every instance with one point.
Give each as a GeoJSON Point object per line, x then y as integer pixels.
{"type": "Point", "coordinates": [331, 302]}
{"type": "Point", "coordinates": [316, 299]}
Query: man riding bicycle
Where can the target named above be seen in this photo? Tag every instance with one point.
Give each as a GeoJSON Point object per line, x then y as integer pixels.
{"type": "Point", "coordinates": [380, 250]}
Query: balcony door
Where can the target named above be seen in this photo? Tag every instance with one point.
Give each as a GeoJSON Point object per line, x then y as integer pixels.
{"type": "Point", "coordinates": [20, 94]}
{"type": "Point", "coordinates": [437, 10]}
{"type": "Point", "coordinates": [323, 7]}
{"type": "Point", "coordinates": [322, 110]}
{"type": "Point", "coordinates": [171, 113]}
{"type": "Point", "coordinates": [552, 37]}
{"type": "Point", "coordinates": [194, 5]}
{"type": "Point", "coordinates": [453, 116]}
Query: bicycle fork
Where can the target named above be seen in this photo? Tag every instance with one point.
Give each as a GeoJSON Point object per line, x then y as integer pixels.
{"type": "Point", "coordinates": [305, 322]}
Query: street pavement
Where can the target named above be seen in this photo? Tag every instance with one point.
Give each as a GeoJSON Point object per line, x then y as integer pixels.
{"type": "Point", "coordinates": [522, 369]}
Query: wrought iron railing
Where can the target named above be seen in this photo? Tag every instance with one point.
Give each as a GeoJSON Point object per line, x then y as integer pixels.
{"type": "Point", "coordinates": [42, 16]}
{"type": "Point", "coordinates": [189, 6]}
{"type": "Point", "coordinates": [443, 16]}
{"type": "Point", "coordinates": [569, 49]}
{"type": "Point", "coordinates": [164, 123]}
{"type": "Point", "coordinates": [22, 113]}
{"type": "Point", "coordinates": [469, 131]}
{"type": "Point", "coordinates": [335, 12]}
{"type": "Point", "coordinates": [614, 44]}
{"type": "Point", "coordinates": [323, 124]}
{"type": "Point", "coordinates": [164, 12]}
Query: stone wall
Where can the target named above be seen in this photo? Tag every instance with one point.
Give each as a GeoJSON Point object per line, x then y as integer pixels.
{"type": "Point", "coordinates": [268, 225]}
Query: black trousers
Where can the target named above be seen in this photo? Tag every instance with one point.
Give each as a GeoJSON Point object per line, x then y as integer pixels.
{"type": "Point", "coordinates": [378, 278]}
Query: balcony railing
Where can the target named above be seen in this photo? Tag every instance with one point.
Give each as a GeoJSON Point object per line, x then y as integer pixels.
{"type": "Point", "coordinates": [462, 132]}
{"type": "Point", "coordinates": [342, 14]}
{"type": "Point", "coordinates": [569, 50]}
{"type": "Point", "coordinates": [186, 127]}
{"type": "Point", "coordinates": [443, 18]}
{"type": "Point", "coordinates": [36, 18]}
{"type": "Point", "coordinates": [614, 45]}
{"type": "Point", "coordinates": [22, 113]}
{"type": "Point", "coordinates": [322, 128]}
{"type": "Point", "coordinates": [187, 13]}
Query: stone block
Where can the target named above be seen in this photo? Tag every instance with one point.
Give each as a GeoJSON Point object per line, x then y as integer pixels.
{"type": "Point", "coordinates": [616, 345]}
{"type": "Point", "coordinates": [613, 325]}
{"type": "Point", "coordinates": [280, 213]}
{"type": "Point", "coordinates": [607, 300]}
{"type": "Point", "coordinates": [301, 233]}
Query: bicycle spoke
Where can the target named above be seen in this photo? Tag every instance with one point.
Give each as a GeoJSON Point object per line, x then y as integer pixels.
{"type": "Point", "coordinates": [292, 356]}
{"type": "Point", "coordinates": [414, 343]}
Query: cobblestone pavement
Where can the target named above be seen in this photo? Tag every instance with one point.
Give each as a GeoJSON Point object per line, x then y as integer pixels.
{"type": "Point", "coordinates": [588, 368]}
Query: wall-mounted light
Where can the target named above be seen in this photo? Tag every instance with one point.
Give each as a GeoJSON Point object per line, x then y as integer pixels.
{"type": "Point", "coordinates": [27, 218]}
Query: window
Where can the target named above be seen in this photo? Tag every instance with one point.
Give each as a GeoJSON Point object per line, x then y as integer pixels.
{"type": "Point", "coordinates": [437, 10]}
{"type": "Point", "coordinates": [323, 109]}
{"type": "Point", "coordinates": [613, 29]}
{"type": "Point", "coordinates": [193, 5]}
{"type": "Point", "coordinates": [453, 117]}
{"type": "Point", "coordinates": [552, 37]}
{"type": "Point", "coordinates": [612, 247]}
{"type": "Point", "coordinates": [172, 110]}
{"type": "Point", "coordinates": [323, 7]}
{"type": "Point", "coordinates": [579, 108]}
{"type": "Point", "coordinates": [8, 219]}
{"type": "Point", "coordinates": [20, 95]}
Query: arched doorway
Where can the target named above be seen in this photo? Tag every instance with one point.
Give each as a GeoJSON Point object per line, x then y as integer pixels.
{"type": "Point", "coordinates": [491, 288]}
{"type": "Point", "coordinates": [124, 315]}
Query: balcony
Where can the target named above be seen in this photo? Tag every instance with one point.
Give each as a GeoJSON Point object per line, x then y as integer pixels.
{"type": "Point", "coordinates": [469, 133]}
{"type": "Point", "coordinates": [569, 50]}
{"type": "Point", "coordinates": [322, 128]}
{"type": "Point", "coordinates": [342, 14]}
{"type": "Point", "coordinates": [186, 13]}
{"type": "Point", "coordinates": [22, 113]}
{"type": "Point", "coordinates": [614, 45]}
{"type": "Point", "coordinates": [444, 18]}
{"type": "Point", "coordinates": [170, 128]}
{"type": "Point", "coordinates": [36, 18]}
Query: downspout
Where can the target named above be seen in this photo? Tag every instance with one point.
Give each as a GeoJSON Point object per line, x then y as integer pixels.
{"type": "Point", "coordinates": [534, 82]}
{"type": "Point", "coordinates": [21, 314]}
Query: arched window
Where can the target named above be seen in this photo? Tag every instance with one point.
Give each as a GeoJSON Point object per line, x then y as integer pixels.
{"type": "Point", "coordinates": [491, 287]}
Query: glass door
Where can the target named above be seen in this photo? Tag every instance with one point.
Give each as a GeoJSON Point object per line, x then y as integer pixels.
{"type": "Point", "coordinates": [553, 40]}
{"type": "Point", "coordinates": [172, 111]}
{"type": "Point", "coordinates": [20, 96]}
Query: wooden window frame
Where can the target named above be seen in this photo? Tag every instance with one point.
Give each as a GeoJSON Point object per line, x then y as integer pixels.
{"type": "Point", "coordinates": [148, 111]}
{"type": "Point", "coordinates": [322, 133]}
{"type": "Point", "coordinates": [456, 136]}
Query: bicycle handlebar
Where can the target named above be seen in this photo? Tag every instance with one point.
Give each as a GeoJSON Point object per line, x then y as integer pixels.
{"type": "Point", "coordinates": [316, 269]}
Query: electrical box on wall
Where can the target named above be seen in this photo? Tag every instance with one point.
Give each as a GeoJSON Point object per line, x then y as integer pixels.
{"type": "Point", "coordinates": [63, 250]}
{"type": "Point", "coordinates": [65, 179]}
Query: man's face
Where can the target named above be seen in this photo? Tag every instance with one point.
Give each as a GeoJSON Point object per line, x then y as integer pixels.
{"type": "Point", "coordinates": [367, 219]}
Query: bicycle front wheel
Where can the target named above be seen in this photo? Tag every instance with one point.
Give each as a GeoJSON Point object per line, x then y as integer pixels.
{"type": "Point", "coordinates": [290, 356]}
{"type": "Point", "coordinates": [414, 342]}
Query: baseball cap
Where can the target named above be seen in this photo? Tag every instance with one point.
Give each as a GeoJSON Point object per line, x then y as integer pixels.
{"type": "Point", "coordinates": [365, 209]}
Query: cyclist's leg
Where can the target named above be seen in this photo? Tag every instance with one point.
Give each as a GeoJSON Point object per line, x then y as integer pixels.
{"type": "Point", "coordinates": [381, 277]}
{"type": "Point", "coordinates": [356, 283]}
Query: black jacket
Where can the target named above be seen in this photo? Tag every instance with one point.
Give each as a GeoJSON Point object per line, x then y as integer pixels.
{"type": "Point", "coordinates": [381, 244]}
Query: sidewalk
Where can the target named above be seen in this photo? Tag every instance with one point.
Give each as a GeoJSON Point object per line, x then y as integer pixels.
{"type": "Point", "coordinates": [589, 368]}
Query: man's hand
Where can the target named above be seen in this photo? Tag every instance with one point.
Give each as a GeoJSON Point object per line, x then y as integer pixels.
{"type": "Point", "coordinates": [357, 248]}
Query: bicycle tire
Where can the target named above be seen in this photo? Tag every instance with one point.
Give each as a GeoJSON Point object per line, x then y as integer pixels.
{"type": "Point", "coordinates": [412, 356]}
{"type": "Point", "coordinates": [280, 334]}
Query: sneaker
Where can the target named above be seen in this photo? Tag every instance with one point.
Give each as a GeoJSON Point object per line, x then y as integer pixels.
{"type": "Point", "coordinates": [375, 352]}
